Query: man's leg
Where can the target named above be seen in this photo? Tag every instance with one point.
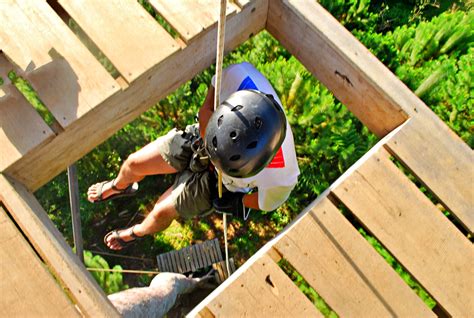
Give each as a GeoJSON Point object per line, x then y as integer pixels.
{"type": "Point", "coordinates": [159, 219]}
{"type": "Point", "coordinates": [144, 162]}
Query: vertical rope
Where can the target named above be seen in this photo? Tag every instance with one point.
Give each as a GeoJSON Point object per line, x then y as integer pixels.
{"type": "Point", "coordinates": [217, 101]}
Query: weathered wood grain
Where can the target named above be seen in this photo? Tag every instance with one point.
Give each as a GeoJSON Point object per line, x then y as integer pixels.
{"type": "Point", "coordinates": [344, 269]}
{"type": "Point", "coordinates": [122, 29]}
{"type": "Point", "coordinates": [27, 289]}
{"type": "Point", "coordinates": [263, 290]}
{"type": "Point", "coordinates": [424, 241]}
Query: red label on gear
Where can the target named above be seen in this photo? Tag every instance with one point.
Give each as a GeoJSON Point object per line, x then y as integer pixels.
{"type": "Point", "coordinates": [278, 161]}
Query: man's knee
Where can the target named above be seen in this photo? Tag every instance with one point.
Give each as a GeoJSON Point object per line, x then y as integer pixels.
{"type": "Point", "coordinates": [164, 211]}
{"type": "Point", "coordinates": [133, 161]}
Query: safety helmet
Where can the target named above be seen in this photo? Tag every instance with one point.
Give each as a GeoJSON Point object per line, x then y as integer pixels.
{"type": "Point", "coordinates": [244, 133]}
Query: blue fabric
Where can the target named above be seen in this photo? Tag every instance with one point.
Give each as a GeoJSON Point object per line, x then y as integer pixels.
{"type": "Point", "coordinates": [247, 83]}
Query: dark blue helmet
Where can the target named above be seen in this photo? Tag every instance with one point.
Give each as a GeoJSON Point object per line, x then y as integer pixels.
{"type": "Point", "coordinates": [244, 133]}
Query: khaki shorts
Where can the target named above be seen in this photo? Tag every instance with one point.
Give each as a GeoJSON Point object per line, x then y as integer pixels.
{"type": "Point", "coordinates": [192, 191]}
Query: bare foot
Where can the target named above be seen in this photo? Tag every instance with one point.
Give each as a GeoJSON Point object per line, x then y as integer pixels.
{"type": "Point", "coordinates": [100, 191]}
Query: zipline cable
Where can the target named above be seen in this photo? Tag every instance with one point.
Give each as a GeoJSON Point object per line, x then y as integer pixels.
{"type": "Point", "coordinates": [217, 97]}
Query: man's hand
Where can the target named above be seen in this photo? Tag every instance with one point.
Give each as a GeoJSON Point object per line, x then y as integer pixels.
{"type": "Point", "coordinates": [230, 203]}
{"type": "Point", "coordinates": [206, 110]}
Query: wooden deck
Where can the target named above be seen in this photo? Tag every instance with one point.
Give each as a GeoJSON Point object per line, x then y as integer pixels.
{"type": "Point", "coordinates": [89, 105]}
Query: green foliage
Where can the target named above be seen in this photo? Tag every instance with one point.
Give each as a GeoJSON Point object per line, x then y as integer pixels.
{"type": "Point", "coordinates": [442, 77]}
{"type": "Point", "coordinates": [449, 32]}
{"type": "Point", "coordinates": [31, 96]}
{"type": "Point", "coordinates": [353, 14]}
{"type": "Point", "coordinates": [147, 6]}
{"type": "Point", "coordinates": [175, 237]}
{"type": "Point", "coordinates": [111, 282]}
{"type": "Point", "coordinates": [100, 56]}
{"type": "Point", "coordinates": [399, 269]}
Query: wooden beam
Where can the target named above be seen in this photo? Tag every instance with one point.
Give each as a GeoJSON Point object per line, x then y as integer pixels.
{"type": "Point", "coordinates": [338, 60]}
{"type": "Point", "coordinates": [27, 287]}
{"type": "Point", "coordinates": [53, 249]}
{"type": "Point", "coordinates": [344, 269]}
{"type": "Point", "coordinates": [41, 165]}
{"type": "Point", "coordinates": [423, 240]}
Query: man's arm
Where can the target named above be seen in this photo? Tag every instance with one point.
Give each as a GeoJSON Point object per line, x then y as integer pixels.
{"type": "Point", "coordinates": [206, 110]}
{"type": "Point", "coordinates": [251, 201]}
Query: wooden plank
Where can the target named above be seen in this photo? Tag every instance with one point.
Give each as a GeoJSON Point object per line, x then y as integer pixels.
{"type": "Point", "coordinates": [208, 249]}
{"type": "Point", "coordinates": [205, 313]}
{"type": "Point", "coordinates": [95, 127]}
{"type": "Point", "coordinates": [26, 286]}
{"type": "Point", "coordinates": [172, 261]}
{"type": "Point", "coordinates": [15, 113]}
{"type": "Point", "coordinates": [207, 253]}
{"type": "Point", "coordinates": [440, 165]}
{"type": "Point", "coordinates": [188, 259]}
{"type": "Point", "coordinates": [132, 40]}
{"type": "Point", "coordinates": [30, 31]}
{"type": "Point", "coordinates": [413, 230]}
{"type": "Point", "coordinates": [197, 250]}
{"type": "Point", "coordinates": [263, 290]}
{"type": "Point", "coordinates": [242, 3]}
{"type": "Point", "coordinates": [221, 270]}
{"type": "Point", "coordinates": [31, 51]}
{"type": "Point", "coordinates": [187, 266]}
{"type": "Point", "coordinates": [199, 255]}
{"type": "Point", "coordinates": [214, 256]}
{"type": "Point", "coordinates": [53, 249]}
{"type": "Point", "coordinates": [190, 18]}
{"type": "Point", "coordinates": [194, 263]}
{"type": "Point", "coordinates": [168, 265]}
{"type": "Point", "coordinates": [181, 263]}
{"type": "Point", "coordinates": [335, 57]}
{"type": "Point", "coordinates": [162, 263]}
{"type": "Point", "coordinates": [177, 260]}
{"type": "Point", "coordinates": [344, 269]}
{"type": "Point", "coordinates": [218, 250]}
{"type": "Point", "coordinates": [159, 263]}
{"type": "Point", "coordinates": [169, 262]}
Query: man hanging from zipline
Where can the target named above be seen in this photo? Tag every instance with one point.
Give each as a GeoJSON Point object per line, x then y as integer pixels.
{"type": "Point", "coordinates": [247, 138]}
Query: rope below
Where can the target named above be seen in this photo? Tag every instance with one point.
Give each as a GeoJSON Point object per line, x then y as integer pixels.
{"type": "Point", "coordinates": [127, 271]}
{"type": "Point", "coordinates": [217, 97]}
